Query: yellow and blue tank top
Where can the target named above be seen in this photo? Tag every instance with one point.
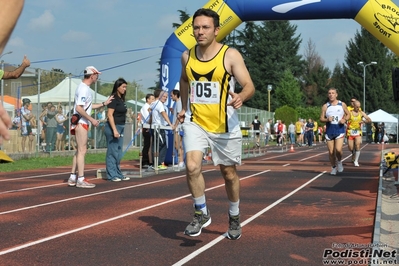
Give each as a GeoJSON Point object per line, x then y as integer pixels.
{"type": "Point", "coordinates": [210, 84]}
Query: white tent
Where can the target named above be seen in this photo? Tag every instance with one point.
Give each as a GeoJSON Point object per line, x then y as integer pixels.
{"type": "Point", "coordinates": [10, 108]}
{"type": "Point", "coordinates": [64, 92]}
{"type": "Point", "coordinates": [382, 116]}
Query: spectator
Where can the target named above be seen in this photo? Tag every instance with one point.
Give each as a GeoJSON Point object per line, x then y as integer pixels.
{"type": "Point", "coordinates": [159, 117]}
{"type": "Point", "coordinates": [60, 117]}
{"type": "Point", "coordinates": [315, 132]}
{"type": "Point", "coordinates": [309, 132]}
{"type": "Point", "coordinates": [381, 133]}
{"type": "Point", "coordinates": [114, 128]}
{"type": "Point", "coordinates": [267, 131]}
{"type": "Point", "coordinates": [298, 131]}
{"type": "Point", "coordinates": [26, 128]}
{"type": "Point", "coordinates": [178, 136]}
{"type": "Point", "coordinates": [82, 110]}
{"type": "Point", "coordinates": [51, 129]}
{"type": "Point", "coordinates": [16, 121]}
{"type": "Point", "coordinates": [147, 135]}
{"type": "Point", "coordinates": [256, 127]}
{"type": "Point", "coordinates": [100, 135]}
{"type": "Point", "coordinates": [291, 132]}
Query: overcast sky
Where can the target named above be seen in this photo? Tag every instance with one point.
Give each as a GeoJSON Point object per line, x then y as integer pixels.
{"type": "Point", "coordinates": [106, 33]}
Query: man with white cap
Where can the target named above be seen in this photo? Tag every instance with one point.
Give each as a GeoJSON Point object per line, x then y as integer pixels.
{"type": "Point", "coordinates": [82, 110]}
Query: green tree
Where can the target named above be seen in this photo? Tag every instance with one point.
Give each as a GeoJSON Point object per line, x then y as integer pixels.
{"type": "Point", "coordinates": [184, 16]}
{"type": "Point", "coordinates": [50, 79]}
{"type": "Point", "coordinates": [316, 77]}
{"type": "Point", "coordinates": [309, 112]}
{"type": "Point", "coordinates": [269, 48]}
{"type": "Point", "coordinates": [366, 48]}
{"type": "Point", "coordinates": [286, 113]}
{"type": "Point", "coordinates": [288, 92]}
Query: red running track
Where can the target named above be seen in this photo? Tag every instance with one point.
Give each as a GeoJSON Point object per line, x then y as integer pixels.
{"type": "Point", "coordinates": [291, 211]}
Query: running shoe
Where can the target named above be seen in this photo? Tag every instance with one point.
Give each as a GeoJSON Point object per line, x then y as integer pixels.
{"type": "Point", "coordinates": [333, 171]}
{"type": "Point", "coordinates": [72, 182]}
{"type": "Point", "coordinates": [125, 178]}
{"type": "Point", "coordinates": [234, 231]}
{"type": "Point", "coordinates": [340, 167]}
{"type": "Point", "coordinates": [85, 184]}
{"type": "Point", "coordinates": [162, 167]}
{"type": "Point", "coordinates": [356, 163]}
{"type": "Point", "coordinates": [181, 165]}
{"type": "Point", "coordinates": [115, 179]}
{"type": "Point", "coordinates": [200, 220]}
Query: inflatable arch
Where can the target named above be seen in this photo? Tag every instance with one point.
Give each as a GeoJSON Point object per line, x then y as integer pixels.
{"type": "Point", "coordinates": [379, 17]}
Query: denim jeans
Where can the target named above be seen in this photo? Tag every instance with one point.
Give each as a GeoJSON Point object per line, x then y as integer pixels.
{"type": "Point", "coordinates": [292, 138]}
{"type": "Point", "coordinates": [267, 139]}
{"type": "Point", "coordinates": [114, 151]}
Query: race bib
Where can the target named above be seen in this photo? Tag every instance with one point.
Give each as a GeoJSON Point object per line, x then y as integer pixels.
{"type": "Point", "coordinates": [354, 132]}
{"type": "Point", "coordinates": [205, 92]}
{"type": "Point", "coordinates": [335, 120]}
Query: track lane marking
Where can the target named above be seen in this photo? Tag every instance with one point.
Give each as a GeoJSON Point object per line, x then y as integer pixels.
{"type": "Point", "coordinates": [36, 176]}
{"type": "Point", "coordinates": [42, 240]}
{"type": "Point", "coordinates": [93, 194]}
{"type": "Point", "coordinates": [253, 217]}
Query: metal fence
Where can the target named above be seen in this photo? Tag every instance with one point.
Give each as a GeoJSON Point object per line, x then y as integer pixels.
{"type": "Point", "coordinates": [43, 87]}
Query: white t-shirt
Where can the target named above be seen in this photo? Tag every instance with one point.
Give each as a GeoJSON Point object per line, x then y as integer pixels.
{"type": "Point", "coordinates": [145, 114]}
{"type": "Point", "coordinates": [83, 97]}
{"type": "Point", "coordinates": [267, 127]}
{"type": "Point", "coordinates": [157, 108]}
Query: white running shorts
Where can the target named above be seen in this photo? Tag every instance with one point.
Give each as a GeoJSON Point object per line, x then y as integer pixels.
{"type": "Point", "coordinates": [225, 147]}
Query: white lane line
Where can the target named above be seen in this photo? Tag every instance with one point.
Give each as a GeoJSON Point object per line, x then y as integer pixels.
{"type": "Point", "coordinates": [89, 195]}
{"type": "Point", "coordinates": [220, 238]}
{"type": "Point", "coordinates": [31, 188]}
{"type": "Point", "coordinates": [39, 241]}
{"type": "Point", "coordinates": [36, 176]}
{"type": "Point", "coordinates": [307, 158]}
{"type": "Point", "coordinates": [283, 155]}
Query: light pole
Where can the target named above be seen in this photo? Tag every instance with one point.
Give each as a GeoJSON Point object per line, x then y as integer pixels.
{"type": "Point", "coordinates": [361, 63]}
{"type": "Point", "coordinates": [2, 81]}
{"type": "Point", "coordinates": [269, 89]}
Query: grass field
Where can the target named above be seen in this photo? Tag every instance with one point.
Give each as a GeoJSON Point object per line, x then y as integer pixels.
{"type": "Point", "coordinates": [41, 162]}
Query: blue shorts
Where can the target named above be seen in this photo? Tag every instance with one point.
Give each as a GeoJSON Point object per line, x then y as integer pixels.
{"type": "Point", "coordinates": [60, 129]}
{"type": "Point", "coordinates": [333, 137]}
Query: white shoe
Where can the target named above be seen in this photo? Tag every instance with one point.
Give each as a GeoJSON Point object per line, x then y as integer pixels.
{"type": "Point", "coordinates": [340, 167]}
{"type": "Point", "coordinates": [181, 165]}
{"type": "Point", "coordinates": [333, 171]}
{"type": "Point", "coordinates": [356, 163]}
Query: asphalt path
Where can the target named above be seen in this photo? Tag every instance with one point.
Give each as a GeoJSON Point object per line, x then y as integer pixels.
{"type": "Point", "coordinates": [292, 210]}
